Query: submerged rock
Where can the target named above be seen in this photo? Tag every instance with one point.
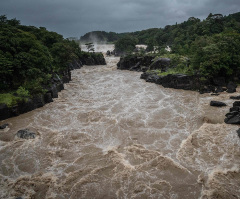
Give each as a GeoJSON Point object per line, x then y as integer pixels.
{"type": "Point", "coordinates": [26, 134]}
{"type": "Point", "coordinates": [3, 126]}
{"type": "Point", "coordinates": [217, 103]}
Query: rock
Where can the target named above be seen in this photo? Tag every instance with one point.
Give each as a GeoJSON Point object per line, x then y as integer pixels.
{"type": "Point", "coordinates": [217, 103]}
{"type": "Point", "coordinates": [231, 114]}
{"type": "Point", "coordinates": [54, 91]}
{"type": "Point", "coordinates": [232, 118]}
{"type": "Point", "coordinates": [235, 97]}
{"type": "Point", "coordinates": [231, 87]}
{"type": "Point", "coordinates": [215, 94]}
{"type": "Point", "coordinates": [235, 108]}
{"type": "Point", "coordinates": [26, 106]}
{"type": "Point", "coordinates": [26, 134]}
{"type": "Point", "coordinates": [238, 132]}
{"type": "Point", "coordinates": [76, 64]}
{"type": "Point", "coordinates": [161, 63]}
{"type": "Point", "coordinates": [219, 81]}
{"type": "Point", "coordinates": [4, 112]}
{"type": "Point", "coordinates": [38, 101]}
{"type": "Point", "coordinates": [236, 103]}
{"type": "Point", "coordinates": [135, 63]}
{"type": "Point", "coordinates": [3, 126]}
{"type": "Point", "coordinates": [60, 87]}
{"type": "Point", "coordinates": [48, 98]}
{"type": "Point", "coordinates": [219, 89]}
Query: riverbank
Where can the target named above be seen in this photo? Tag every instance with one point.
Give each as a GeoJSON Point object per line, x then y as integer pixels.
{"type": "Point", "coordinates": [162, 71]}
{"type": "Point", "coordinates": [56, 85]}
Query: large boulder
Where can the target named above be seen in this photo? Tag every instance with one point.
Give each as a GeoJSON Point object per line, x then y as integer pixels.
{"type": "Point", "coordinates": [232, 118]}
{"type": "Point", "coordinates": [135, 63]}
{"type": "Point", "coordinates": [26, 134]}
{"type": "Point", "coordinates": [217, 104]}
{"type": "Point", "coordinates": [162, 64]}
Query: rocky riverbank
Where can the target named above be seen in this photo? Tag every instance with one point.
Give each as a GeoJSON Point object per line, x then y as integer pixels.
{"type": "Point", "coordinates": [56, 85]}
{"type": "Point", "coordinates": [148, 64]}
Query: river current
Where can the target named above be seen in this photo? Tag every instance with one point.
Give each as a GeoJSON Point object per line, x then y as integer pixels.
{"type": "Point", "coordinates": [112, 135]}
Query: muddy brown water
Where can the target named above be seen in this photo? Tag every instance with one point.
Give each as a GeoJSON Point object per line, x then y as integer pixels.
{"type": "Point", "coordinates": [112, 135]}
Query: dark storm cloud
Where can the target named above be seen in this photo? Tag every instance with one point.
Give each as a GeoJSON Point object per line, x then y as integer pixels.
{"type": "Point", "coordinates": [76, 17]}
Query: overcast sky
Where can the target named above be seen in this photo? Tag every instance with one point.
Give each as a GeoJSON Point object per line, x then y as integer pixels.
{"type": "Point", "coordinates": [77, 17]}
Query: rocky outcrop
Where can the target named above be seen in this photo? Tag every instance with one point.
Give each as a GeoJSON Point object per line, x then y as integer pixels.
{"type": "Point", "coordinates": [93, 59]}
{"type": "Point", "coordinates": [177, 81]}
{"type": "Point", "coordinates": [162, 64]}
{"type": "Point", "coordinates": [217, 104]}
{"type": "Point", "coordinates": [233, 117]}
{"type": "Point", "coordinates": [135, 63]}
{"type": "Point", "coordinates": [56, 85]}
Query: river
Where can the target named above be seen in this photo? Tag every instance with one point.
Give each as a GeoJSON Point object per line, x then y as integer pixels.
{"type": "Point", "coordinates": [112, 135]}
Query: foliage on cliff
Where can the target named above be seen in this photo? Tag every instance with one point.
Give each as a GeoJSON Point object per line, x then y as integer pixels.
{"type": "Point", "coordinates": [30, 56]}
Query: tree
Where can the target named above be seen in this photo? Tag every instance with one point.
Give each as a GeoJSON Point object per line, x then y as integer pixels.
{"type": "Point", "coordinates": [126, 44]}
{"type": "Point", "coordinates": [217, 55]}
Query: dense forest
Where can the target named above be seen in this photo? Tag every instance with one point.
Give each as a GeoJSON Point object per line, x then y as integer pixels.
{"type": "Point", "coordinates": [30, 58]}
{"type": "Point", "coordinates": [178, 36]}
{"type": "Point", "coordinates": [209, 47]}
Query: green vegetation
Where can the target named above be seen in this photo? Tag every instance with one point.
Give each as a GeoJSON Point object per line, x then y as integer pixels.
{"type": "Point", "coordinates": [30, 57]}
{"type": "Point", "coordinates": [126, 44]}
{"type": "Point", "coordinates": [9, 99]}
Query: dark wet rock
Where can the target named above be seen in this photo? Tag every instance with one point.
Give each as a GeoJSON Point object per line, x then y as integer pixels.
{"type": "Point", "coordinates": [231, 87]}
{"type": "Point", "coordinates": [135, 63]}
{"type": "Point", "coordinates": [4, 112]}
{"type": "Point", "coordinates": [38, 101]}
{"type": "Point", "coordinates": [217, 103]}
{"type": "Point", "coordinates": [219, 89]}
{"type": "Point", "coordinates": [54, 91]}
{"type": "Point", "coordinates": [3, 126]}
{"type": "Point", "coordinates": [26, 134]}
{"type": "Point", "coordinates": [76, 64]}
{"type": "Point", "coordinates": [26, 106]}
{"type": "Point", "coordinates": [177, 81]}
{"type": "Point", "coordinates": [19, 198]}
{"type": "Point", "coordinates": [215, 94]}
{"type": "Point", "coordinates": [219, 81]}
{"type": "Point", "coordinates": [235, 97]}
{"type": "Point", "coordinates": [60, 87]}
{"type": "Point", "coordinates": [108, 53]}
{"type": "Point", "coordinates": [232, 118]}
{"type": "Point", "coordinates": [162, 64]}
{"type": "Point", "coordinates": [238, 132]}
{"type": "Point", "coordinates": [48, 98]}
{"type": "Point", "coordinates": [235, 108]}
{"type": "Point", "coordinates": [236, 103]}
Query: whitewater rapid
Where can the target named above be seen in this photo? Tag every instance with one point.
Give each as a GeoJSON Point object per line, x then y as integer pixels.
{"type": "Point", "coordinates": [112, 135]}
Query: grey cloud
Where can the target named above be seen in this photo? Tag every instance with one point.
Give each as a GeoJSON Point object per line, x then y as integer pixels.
{"type": "Point", "coordinates": [76, 17]}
